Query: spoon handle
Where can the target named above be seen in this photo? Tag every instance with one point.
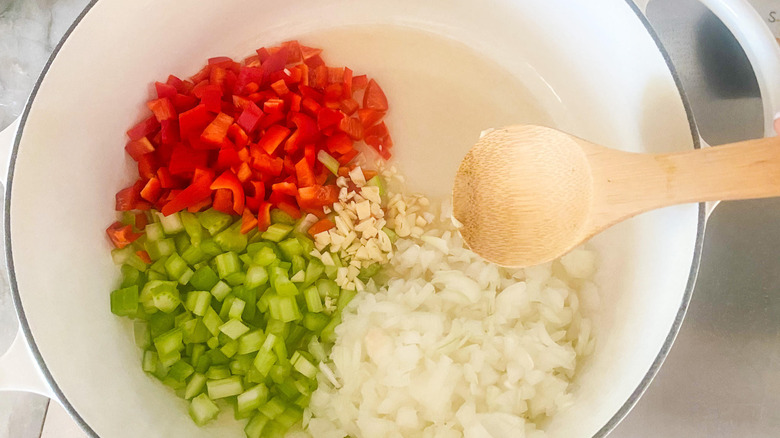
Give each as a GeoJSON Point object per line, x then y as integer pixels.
{"type": "Point", "coordinates": [634, 183]}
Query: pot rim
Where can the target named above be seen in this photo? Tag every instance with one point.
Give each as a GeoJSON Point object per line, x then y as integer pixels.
{"type": "Point", "coordinates": [616, 418]}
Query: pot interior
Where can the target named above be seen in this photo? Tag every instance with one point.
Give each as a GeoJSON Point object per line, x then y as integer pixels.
{"type": "Point", "coordinates": [449, 68]}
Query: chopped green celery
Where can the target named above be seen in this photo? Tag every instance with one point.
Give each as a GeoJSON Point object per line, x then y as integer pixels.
{"type": "Point", "coordinates": [279, 373]}
{"type": "Point", "coordinates": [169, 342]}
{"type": "Point", "coordinates": [391, 234]}
{"type": "Point", "coordinates": [120, 255]}
{"type": "Point", "coordinates": [214, 221]}
{"type": "Point", "coordinates": [275, 430]}
{"type": "Point", "coordinates": [130, 276]}
{"type": "Point", "coordinates": [284, 308]}
{"type": "Point", "coordinates": [262, 302]}
{"type": "Point", "coordinates": [185, 277]}
{"type": "Point", "coordinates": [306, 243]}
{"type": "Point", "coordinates": [192, 227]}
{"type": "Point", "coordinates": [197, 352]}
{"type": "Point", "coordinates": [328, 288]}
{"type": "Point", "coordinates": [182, 242]}
{"type": "Point", "coordinates": [224, 311]}
{"type": "Point", "coordinates": [204, 278]}
{"type": "Point", "coordinates": [331, 271]}
{"type": "Point", "coordinates": [282, 284]}
{"type": "Point", "coordinates": [294, 339]}
{"type": "Point", "coordinates": [303, 365]}
{"type": "Point", "coordinates": [158, 249]}
{"type": "Point", "coordinates": [220, 290]}
{"type": "Point", "coordinates": [169, 359]}
{"type": "Point", "coordinates": [160, 323]}
{"type": "Point", "coordinates": [175, 266]}
{"type": "Point", "coordinates": [142, 334]}
{"type": "Point", "coordinates": [315, 322]}
{"type": "Point", "coordinates": [264, 256]}
{"type": "Point", "coordinates": [154, 231]}
{"type": "Point", "coordinates": [277, 232]}
{"type": "Point", "coordinates": [181, 318]}
{"type": "Point", "coordinates": [222, 388]}
{"type": "Point", "coordinates": [256, 275]}
{"type": "Point", "coordinates": [280, 349]}
{"type": "Point", "coordinates": [202, 409]}
{"type": "Point", "coordinates": [266, 358]}
{"type": "Point", "coordinates": [290, 416]}
{"type": "Point", "coordinates": [303, 401]}
{"type": "Point", "coordinates": [171, 224]}
{"type": "Point", "coordinates": [254, 428]}
{"type": "Point", "coordinates": [227, 263]}
{"type": "Point", "coordinates": [345, 297]}
{"type": "Point", "coordinates": [232, 239]}
{"type": "Point", "coordinates": [255, 376]}
{"type": "Point", "coordinates": [162, 295]}
{"type": "Point", "coordinates": [236, 309]}
{"type": "Point", "coordinates": [210, 248]}
{"type": "Point", "coordinates": [281, 217]}
{"type": "Point", "coordinates": [193, 255]}
{"type": "Point", "coordinates": [314, 270]}
{"type": "Point", "coordinates": [195, 385]}
{"type": "Point", "coordinates": [278, 328]}
{"type": "Point", "coordinates": [213, 342]}
{"type": "Point", "coordinates": [298, 277]}
{"type": "Point", "coordinates": [149, 362]}
{"type": "Point", "coordinates": [136, 262]}
{"type": "Point", "coordinates": [212, 321]}
{"type": "Point", "coordinates": [217, 372]}
{"type": "Point", "coordinates": [304, 386]}
{"type": "Point", "coordinates": [124, 302]}
{"type": "Point", "coordinates": [181, 370]}
{"type": "Point", "coordinates": [369, 271]}
{"type": "Point", "coordinates": [252, 398]}
{"type": "Point", "coordinates": [236, 278]}
{"type": "Point", "coordinates": [328, 334]}
{"type": "Point", "coordinates": [217, 357]}
{"type": "Point", "coordinates": [241, 364]}
{"type": "Point", "coordinates": [245, 259]}
{"type": "Point", "coordinates": [160, 370]}
{"type": "Point", "coordinates": [249, 296]}
{"type": "Point", "coordinates": [229, 349]}
{"type": "Point", "coordinates": [159, 266]}
{"type": "Point", "coordinates": [238, 415]}
{"type": "Point", "coordinates": [328, 161]}
{"type": "Point", "coordinates": [154, 275]}
{"type": "Point", "coordinates": [273, 408]}
{"type": "Point", "coordinates": [377, 181]}
{"type": "Point", "coordinates": [200, 302]}
{"type": "Point", "coordinates": [313, 300]}
{"type": "Point", "coordinates": [298, 265]}
{"type": "Point", "coordinates": [316, 349]}
{"type": "Point", "coordinates": [203, 364]}
{"type": "Point", "coordinates": [251, 341]}
{"type": "Point", "coordinates": [233, 328]}
{"type": "Point", "coordinates": [290, 247]}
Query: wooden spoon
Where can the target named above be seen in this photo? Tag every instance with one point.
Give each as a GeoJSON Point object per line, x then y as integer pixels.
{"type": "Point", "coordinates": [527, 194]}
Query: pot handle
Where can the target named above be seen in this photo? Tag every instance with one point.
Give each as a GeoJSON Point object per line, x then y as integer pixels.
{"type": "Point", "coordinates": [18, 369]}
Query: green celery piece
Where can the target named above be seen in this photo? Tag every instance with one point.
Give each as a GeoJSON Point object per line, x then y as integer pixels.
{"type": "Point", "coordinates": [224, 311]}
{"type": "Point", "coordinates": [217, 357]}
{"type": "Point", "coordinates": [251, 341]}
{"type": "Point", "coordinates": [213, 343]}
{"type": "Point", "coordinates": [195, 385]}
{"type": "Point", "coordinates": [304, 386]}
{"type": "Point", "coordinates": [303, 365]}
{"type": "Point", "coordinates": [124, 302]}
{"type": "Point", "coordinates": [295, 339]}
{"type": "Point", "coordinates": [171, 224]}
{"type": "Point", "coordinates": [175, 266]}
{"type": "Point", "coordinates": [210, 248]}
{"type": "Point", "coordinates": [149, 362]}
{"type": "Point", "coordinates": [224, 387]}
{"type": "Point", "coordinates": [169, 359]}
{"type": "Point", "coordinates": [313, 300]}
{"type": "Point", "coordinates": [154, 275]}
{"type": "Point", "coordinates": [182, 242]}
{"type": "Point", "coordinates": [169, 342]}
{"type": "Point", "coordinates": [254, 376]}
{"type": "Point", "coordinates": [227, 263]}
{"type": "Point", "coordinates": [331, 271]}
{"type": "Point", "coordinates": [303, 401]}
{"type": "Point", "coordinates": [130, 276]}
{"type": "Point", "coordinates": [217, 372]}
{"type": "Point", "coordinates": [291, 247]}
{"type": "Point", "coordinates": [158, 249]}
{"type": "Point", "coordinates": [314, 270]}
{"type": "Point", "coordinates": [298, 265]}
{"type": "Point", "coordinates": [232, 239]}
{"type": "Point", "coordinates": [317, 350]}
{"type": "Point", "coordinates": [249, 296]}
{"type": "Point", "coordinates": [299, 277]}
{"type": "Point", "coordinates": [229, 349]}
{"type": "Point", "coordinates": [262, 302]}
{"type": "Point", "coordinates": [135, 261]}
{"type": "Point", "coordinates": [202, 409]}
{"type": "Point", "coordinates": [265, 256]}
{"type": "Point", "coordinates": [233, 328]}
{"type": "Point", "coordinates": [254, 428]}
{"type": "Point", "coordinates": [196, 332]}
{"type": "Point", "coordinates": [192, 227]}
{"type": "Point", "coordinates": [197, 350]}
{"type": "Point", "coordinates": [236, 309]}
{"type": "Point", "coordinates": [377, 181]}
{"type": "Point", "coordinates": [315, 322]}
{"type": "Point", "coordinates": [200, 301]}
{"type": "Point", "coordinates": [204, 278]}
{"type": "Point", "coordinates": [241, 364]}
{"type": "Point", "coordinates": [159, 266]}
{"type": "Point", "coordinates": [246, 259]}
{"type": "Point", "coordinates": [181, 318]}
{"type": "Point", "coordinates": [328, 334]}
{"type": "Point", "coordinates": [185, 277]}
{"type": "Point", "coordinates": [265, 357]}
{"type": "Point", "coordinates": [256, 275]}
{"type": "Point", "coordinates": [160, 323]}
{"type": "Point", "coordinates": [391, 234]}
{"type": "Point", "coordinates": [281, 217]}
{"type": "Point", "coordinates": [203, 364]}
{"type": "Point", "coordinates": [282, 284]}
{"type": "Point", "coordinates": [272, 408]}
{"type": "Point", "coordinates": [277, 232]}
{"type": "Point", "coordinates": [328, 288]}
{"type": "Point", "coordinates": [369, 271]}
{"type": "Point", "coordinates": [212, 321]}
{"type": "Point", "coordinates": [120, 255]}
{"type": "Point", "coordinates": [193, 255]}
{"type": "Point", "coordinates": [290, 416]}
{"type": "Point", "coordinates": [328, 161]}
{"type": "Point", "coordinates": [236, 278]}
{"type": "Point", "coordinates": [162, 295]}
{"type": "Point", "coordinates": [279, 374]}
{"type": "Point", "coordinates": [345, 297]}
{"type": "Point", "coordinates": [214, 221]}
{"type": "Point", "coordinates": [252, 398]}
{"type": "Point", "coordinates": [142, 334]}
{"type": "Point", "coordinates": [306, 243]}
{"type": "Point", "coordinates": [220, 290]}
{"type": "Point", "coordinates": [278, 328]}
{"type": "Point", "coordinates": [181, 370]}
{"type": "Point", "coordinates": [275, 430]}
{"type": "Point", "coordinates": [154, 231]}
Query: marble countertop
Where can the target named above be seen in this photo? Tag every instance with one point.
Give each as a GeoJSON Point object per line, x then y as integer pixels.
{"type": "Point", "coordinates": [720, 379]}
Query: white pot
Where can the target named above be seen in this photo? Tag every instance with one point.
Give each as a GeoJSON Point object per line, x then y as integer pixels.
{"type": "Point", "coordinates": [591, 68]}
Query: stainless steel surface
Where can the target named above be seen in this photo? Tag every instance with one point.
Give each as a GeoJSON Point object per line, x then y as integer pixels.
{"type": "Point", "coordinates": [722, 377]}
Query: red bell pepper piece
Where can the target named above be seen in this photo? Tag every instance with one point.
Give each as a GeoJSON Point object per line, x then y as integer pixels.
{"type": "Point", "coordinates": [327, 117]}
{"type": "Point", "coordinates": [202, 74]}
{"type": "Point", "coordinates": [128, 198]}
{"type": "Point", "coordinates": [276, 61]}
{"type": "Point", "coordinates": [250, 117]}
{"type": "Point", "coordinates": [137, 148]}
{"type": "Point", "coordinates": [268, 165]}
{"type": "Point", "coordinates": [121, 235]}
{"type": "Point", "coordinates": [200, 206]}
{"type": "Point", "coordinates": [307, 128]}
{"type": "Point", "coordinates": [223, 201]}
{"type": "Point", "coordinates": [193, 194]}
{"type": "Point", "coordinates": [349, 106]}
{"type": "Point", "coordinates": [310, 154]}
{"type": "Point", "coordinates": [347, 82]}
{"type": "Point", "coordinates": [167, 181]}
{"type": "Point", "coordinates": [304, 173]}
{"type": "Point", "coordinates": [169, 131]}
{"type": "Point", "coordinates": [244, 172]}
{"type": "Point", "coordinates": [272, 138]}
{"type": "Point", "coordinates": [289, 208]}
{"type": "Point", "coordinates": [317, 196]}
{"type": "Point", "coordinates": [165, 90]}
{"type": "Point", "coordinates": [217, 130]}
{"type": "Point", "coordinates": [263, 216]}
{"type": "Point", "coordinates": [183, 102]}
{"type": "Point", "coordinates": [237, 135]}
{"type": "Point", "coordinates": [310, 106]}
{"type": "Point", "coordinates": [194, 121]}
{"type": "Point", "coordinates": [321, 226]}
{"type": "Point", "coordinates": [227, 158]}
{"type": "Point", "coordinates": [369, 117]}
{"type": "Point", "coordinates": [255, 195]}
{"type": "Point", "coordinates": [185, 160]}
{"type": "Point", "coordinates": [151, 190]}
{"type": "Point", "coordinates": [285, 188]}
{"type": "Point", "coordinates": [374, 97]}
{"type": "Point", "coordinates": [162, 109]}
{"type": "Point", "coordinates": [339, 143]}
{"type": "Point", "coordinates": [143, 128]}
{"type": "Point", "coordinates": [359, 82]}
{"type": "Point", "coordinates": [349, 156]}
{"type": "Point", "coordinates": [248, 221]}
{"type": "Point", "coordinates": [176, 83]}
{"type": "Point", "coordinates": [144, 256]}
{"type": "Point", "coordinates": [295, 102]}
{"type": "Point", "coordinates": [352, 127]}
{"type": "Point", "coordinates": [280, 87]}
{"type": "Point", "coordinates": [140, 220]}
{"type": "Point", "coordinates": [229, 181]}
{"type": "Point", "coordinates": [147, 166]}
{"type": "Point", "coordinates": [212, 97]}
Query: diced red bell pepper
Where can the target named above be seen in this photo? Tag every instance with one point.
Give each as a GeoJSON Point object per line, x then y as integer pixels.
{"type": "Point", "coordinates": [347, 82]}
{"type": "Point", "coordinates": [276, 61]}
{"type": "Point", "coordinates": [185, 160]}
{"type": "Point", "coordinates": [223, 201]}
{"type": "Point", "coordinates": [359, 82]}
{"type": "Point", "coordinates": [248, 221]}
{"type": "Point", "coordinates": [249, 75]}
{"type": "Point", "coordinates": [315, 61]}
{"type": "Point", "coordinates": [352, 127]}
{"type": "Point", "coordinates": [143, 128]}
{"type": "Point", "coordinates": [177, 83]}
{"type": "Point", "coordinates": [255, 192]}
{"type": "Point", "coordinates": [212, 98]}
{"type": "Point", "coordinates": [151, 190]}
{"type": "Point", "coordinates": [349, 106]}
{"type": "Point", "coordinates": [193, 194]}
{"type": "Point", "coordinates": [268, 165]}
{"type": "Point", "coordinates": [121, 235]}
{"type": "Point", "coordinates": [307, 128]}
{"type": "Point", "coordinates": [334, 92]}
{"type": "Point", "coordinates": [295, 102]}
{"type": "Point", "coordinates": [202, 74]}
{"type": "Point", "coordinates": [140, 220]}
{"type": "Point", "coordinates": [227, 158]}
{"type": "Point", "coordinates": [318, 76]}
{"type": "Point", "coordinates": [144, 256]}
{"type": "Point", "coordinates": [237, 135]}
{"type": "Point", "coordinates": [183, 102]}
{"type": "Point", "coordinates": [374, 97]}
{"type": "Point", "coordinates": [244, 172]}
{"type": "Point", "coordinates": [137, 148]}
{"type": "Point", "coordinates": [327, 117]}
{"type": "Point", "coordinates": [335, 75]}
{"type": "Point", "coordinates": [162, 109]}
{"type": "Point", "coordinates": [216, 131]}
{"type": "Point", "coordinates": [280, 87]}
{"type": "Point", "coordinates": [273, 137]}
{"type": "Point", "coordinates": [194, 121]}
{"type": "Point", "coordinates": [200, 206]}
{"type": "Point", "coordinates": [167, 181]}
{"type": "Point", "coordinates": [285, 188]}
{"type": "Point", "coordinates": [369, 117]}
{"type": "Point", "coordinates": [310, 106]}
{"type": "Point", "coordinates": [289, 208]}
{"type": "Point", "coordinates": [169, 131]}
{"type": "Point", "coordinates": [304, 173]}
{"type": "Point", "coordinates": [321, 226]}
{"type": "Point", "coordinates": [229, 181]}
{"type": "Point", "coordinates": [147, 166]}
{"type": "Point", "coordinates": [128, 198]}
{"type": "Point", "coordinates": [310, 155]}
{"type": "Point", "coordinates": [263, 216]}
{"type": "Point", "coordinates": [349, 156]}
{"type": "Point", "coordinates": [317, 196]}
{"type": "Point", "coordinates": [165, 90]}
{"type": "Point", "coordinates": [250, 117]}
{"type": "Point", "coordinates": [339, 143]}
